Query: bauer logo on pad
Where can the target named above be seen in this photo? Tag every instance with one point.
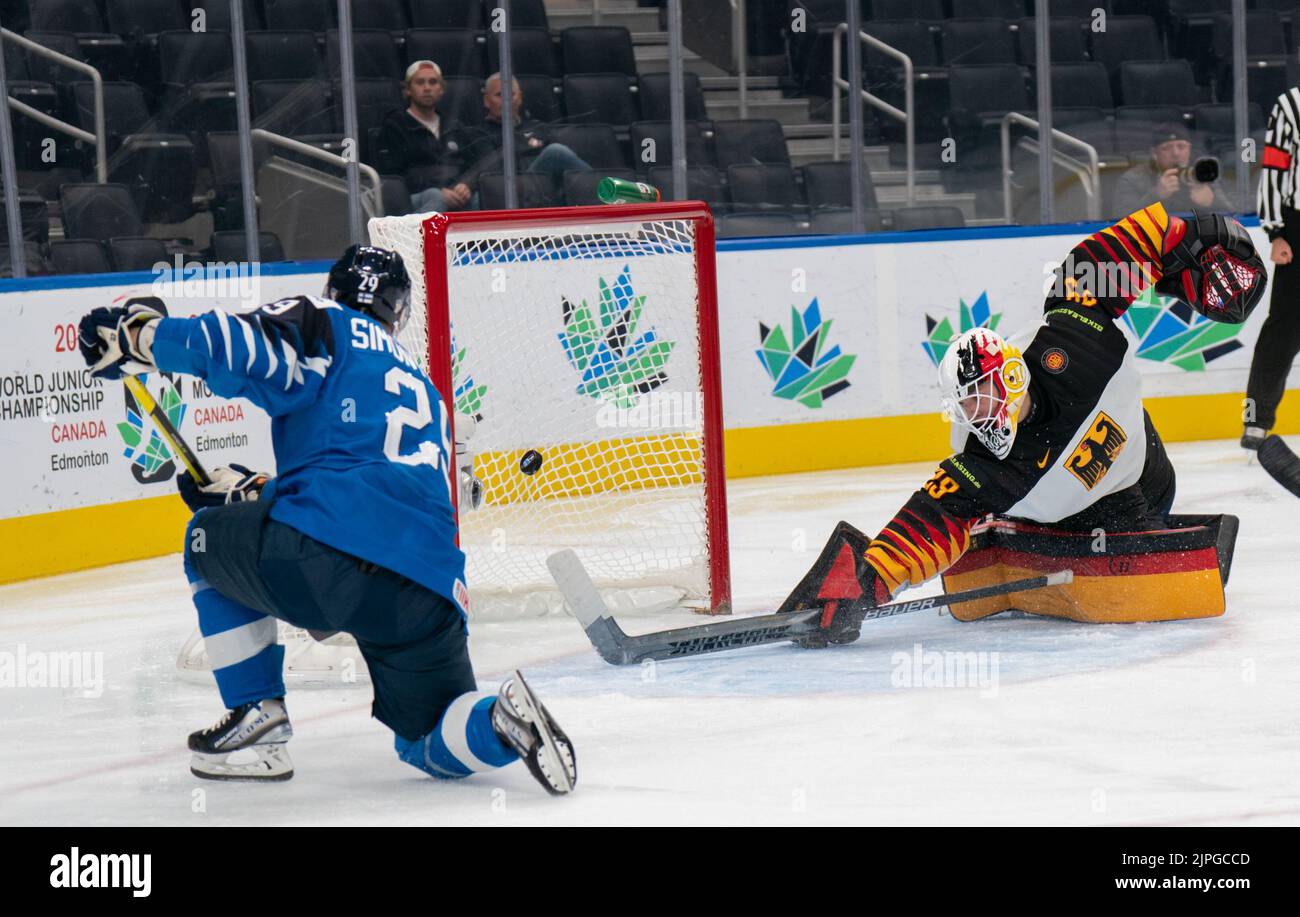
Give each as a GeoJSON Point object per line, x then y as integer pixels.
{"type": "Point", "coordinates": [1097, 451]}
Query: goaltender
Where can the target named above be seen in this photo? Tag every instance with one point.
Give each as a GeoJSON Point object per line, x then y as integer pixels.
{"type": "Point", "coordinates": [1061, 467]}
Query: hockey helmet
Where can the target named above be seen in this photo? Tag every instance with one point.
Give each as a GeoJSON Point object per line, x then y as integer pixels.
{"type": "Point", "coordinates": [371, 280]}
{"type": "Point", "coordinates": [983, 380]}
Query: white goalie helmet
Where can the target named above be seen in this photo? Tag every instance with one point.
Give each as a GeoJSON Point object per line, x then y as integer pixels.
{"type": "Point", "coordinates": [983, 380]}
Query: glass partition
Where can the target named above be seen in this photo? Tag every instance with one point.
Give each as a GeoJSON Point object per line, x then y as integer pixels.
{"type": "Point", "coordinates": [128, 149]}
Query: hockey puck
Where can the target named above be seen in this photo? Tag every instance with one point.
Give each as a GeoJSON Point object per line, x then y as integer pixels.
{"type": "Point", "coordinates": [530, 462]}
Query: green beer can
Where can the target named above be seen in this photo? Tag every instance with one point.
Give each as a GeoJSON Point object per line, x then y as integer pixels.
{"type": "Point", "coordinates": [620, 191]}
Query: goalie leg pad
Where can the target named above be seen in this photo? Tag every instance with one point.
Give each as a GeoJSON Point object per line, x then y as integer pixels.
{"type": "Point", "coordinates": [1170, 574]}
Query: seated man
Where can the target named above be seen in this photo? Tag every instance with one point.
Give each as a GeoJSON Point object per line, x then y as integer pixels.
{"type": "Point", "coordinates": [411, 144]}
{"type": "Point", "coordinates": [480, 146]}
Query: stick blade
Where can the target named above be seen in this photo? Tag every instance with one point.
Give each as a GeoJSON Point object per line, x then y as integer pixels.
{"type": "Point", "coordinates": [1276, 457]}
{"type": "Point", "coordinates": [576, 587]}
{"type": "Point", "coordinates": [588, 607]}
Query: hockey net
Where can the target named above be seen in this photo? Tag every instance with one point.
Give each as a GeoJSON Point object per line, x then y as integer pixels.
{"type": "Point", "coordinates": [579, 348]}
{"type": "Point", "coordinates": [584, 339]}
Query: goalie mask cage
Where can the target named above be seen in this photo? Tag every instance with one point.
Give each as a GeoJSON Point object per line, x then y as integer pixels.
{"type": "Point", "coordinates": [576, 350]}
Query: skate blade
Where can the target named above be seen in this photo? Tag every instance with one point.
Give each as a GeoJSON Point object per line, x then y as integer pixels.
{"type": "Point", "coordinates": [270, 763]}
{"type": "Point", "coordinates": [553, 761]}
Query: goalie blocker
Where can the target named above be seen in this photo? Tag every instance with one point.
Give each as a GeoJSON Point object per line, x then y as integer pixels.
{"type": "Point", "coordinates": [1172, 573]}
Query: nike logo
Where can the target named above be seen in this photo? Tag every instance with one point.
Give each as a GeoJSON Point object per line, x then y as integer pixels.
{"type": "Point", "coordinates": [1046, 456]}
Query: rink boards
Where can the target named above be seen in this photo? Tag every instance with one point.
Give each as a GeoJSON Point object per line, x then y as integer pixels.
{"type": "Point", "coordinates": [828, 361]}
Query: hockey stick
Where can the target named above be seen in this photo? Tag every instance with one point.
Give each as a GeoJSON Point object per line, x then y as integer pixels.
{"type": "Point", "coordinates": [618, 648]}
{"type": "Point", "coordinates": [185, 453]}
{"type": "Point", "coordinates": [1276, 457]}
{"type": "Point", "coordinates": [166, 430]}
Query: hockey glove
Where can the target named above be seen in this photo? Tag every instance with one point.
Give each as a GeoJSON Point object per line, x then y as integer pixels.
{"type": "Point", "coordinates": [1215, 269]}
{"type": "Point", "coordinates": [118, 340]}
{"type": "Point", "coordinates": [233, 484]}
{"type": "Point", "coordinates": [842, 585]}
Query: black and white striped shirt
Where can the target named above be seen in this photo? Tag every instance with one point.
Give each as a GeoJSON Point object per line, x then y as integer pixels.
{"type": "Point", "coordinates": [1277, 177]}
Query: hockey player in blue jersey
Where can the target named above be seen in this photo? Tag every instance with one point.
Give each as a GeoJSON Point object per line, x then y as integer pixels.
{"type": "Point", "coordinates": [356, 532]}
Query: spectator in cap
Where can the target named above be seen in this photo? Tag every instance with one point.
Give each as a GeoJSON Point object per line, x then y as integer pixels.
{"type": "Point", "coordinates": [412, 144]}
{"type": "Point", "coordinates": [1160, 179]}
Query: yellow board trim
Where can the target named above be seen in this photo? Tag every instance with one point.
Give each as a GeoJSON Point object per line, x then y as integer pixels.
{"type": "Point", "coordinates": [94, 536]}
{"type": "Point", "coordinates": [60, 542]}
{"type": "Point", "coordinates": [792, 448]}
{"type": "Point", "coordinates": [829, 444]}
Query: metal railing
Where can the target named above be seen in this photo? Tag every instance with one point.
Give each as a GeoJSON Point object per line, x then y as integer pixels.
{"type": "Point", "coordinates": [342, 162]}
{"type": "Point", "coordinates": [907, 115]}
{"type": "Point", "coordinates": [1090, 172]}
{"type": "Point", "coordinates": [740, 49]}
{"type": "Point", "coordinates": [99, 137]}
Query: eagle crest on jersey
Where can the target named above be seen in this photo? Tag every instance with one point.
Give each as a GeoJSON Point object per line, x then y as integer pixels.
{"type": "Point", "coordinates": [984, 379]}
{"type": "Point", "coordinates": [1097, 451]}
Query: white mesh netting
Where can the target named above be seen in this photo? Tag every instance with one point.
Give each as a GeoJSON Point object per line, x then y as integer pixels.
{"type": "Point", "coordinates": [575, 347]}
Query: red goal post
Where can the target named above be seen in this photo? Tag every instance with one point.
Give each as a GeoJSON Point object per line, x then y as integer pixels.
{"type": "Point", "coordinates": [536, 361]}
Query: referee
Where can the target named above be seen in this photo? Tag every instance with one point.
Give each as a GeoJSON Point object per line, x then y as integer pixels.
{"type": "Point", "coordinates": [1279, 338]}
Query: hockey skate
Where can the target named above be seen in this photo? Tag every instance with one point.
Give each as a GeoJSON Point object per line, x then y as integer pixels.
{"type": "Point", "coordinates": [523, 723]}
{"type": "Point", "coordinates": [248, 743]}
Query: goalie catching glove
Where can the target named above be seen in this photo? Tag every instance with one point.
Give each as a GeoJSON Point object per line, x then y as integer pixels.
{"type": "Point", "coordinates": [842, 585]}
{"type": "Point", "coordinates": [118, 340]}
{"type": "Point", "coordinates": [1214, 268]}
{"type": "Point", "coordinates": [233, 484]}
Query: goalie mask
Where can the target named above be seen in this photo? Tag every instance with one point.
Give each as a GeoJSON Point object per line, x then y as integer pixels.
{"type": "Point", "coordinates": [983, 381]}
{"type": "Point", "coordinates": [1215, 269]}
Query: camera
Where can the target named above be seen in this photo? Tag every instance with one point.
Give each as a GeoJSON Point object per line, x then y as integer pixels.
{"type": "Point", "coordinates": [1204, 170]}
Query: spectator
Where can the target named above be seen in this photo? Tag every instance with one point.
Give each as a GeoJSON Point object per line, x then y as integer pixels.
{"type": "Point", "coordinates": [411, 144]}
{"type": "Point", "coordinates": [480, 147]}
{"type": "Point", "coordinates": [1159, 180]}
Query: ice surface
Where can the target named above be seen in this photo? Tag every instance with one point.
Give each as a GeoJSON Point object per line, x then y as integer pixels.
{"type": "Point", "coordinates": [1191, 722]}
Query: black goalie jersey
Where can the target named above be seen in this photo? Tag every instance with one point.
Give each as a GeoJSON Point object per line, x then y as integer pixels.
{"type": "Point", "coordinates": [1085, 437]}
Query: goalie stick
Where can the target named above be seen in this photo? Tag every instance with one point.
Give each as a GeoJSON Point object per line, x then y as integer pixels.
{"type": "Point", "coordinates": [618, 648]}
{"type": "Point", "coordinates": [1276, 457]}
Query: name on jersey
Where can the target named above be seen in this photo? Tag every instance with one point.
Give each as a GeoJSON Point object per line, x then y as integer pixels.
{"type": "Point", "coordinates": [1097, 451]}
{"type": "Point", "coordinates": [1096, 326]}
{"type": "Point", "coordinates": [965, 472]}
{"type": "Point", "coordinates": [367, 335]}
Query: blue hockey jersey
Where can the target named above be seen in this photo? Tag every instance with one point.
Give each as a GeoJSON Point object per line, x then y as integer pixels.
{"type": "Point", "coordinates": [361, 439]}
